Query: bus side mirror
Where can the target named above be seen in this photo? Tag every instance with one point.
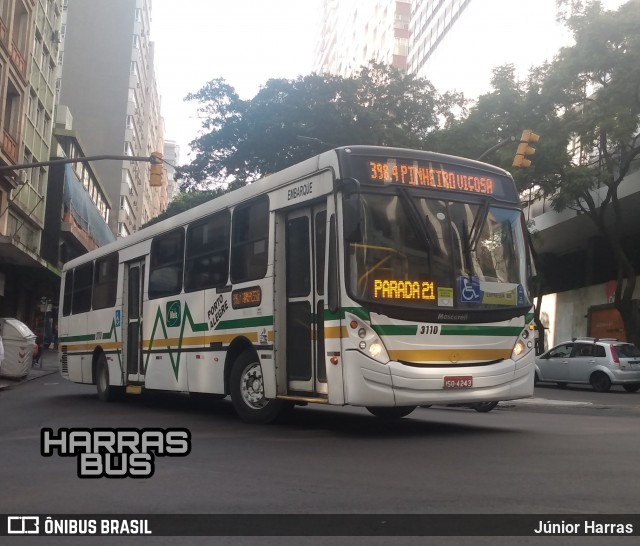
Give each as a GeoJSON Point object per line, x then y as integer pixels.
{"type": "Point", "coordinates": [351, 210]}
{"type": "Point", "coordinates": [352, 220]}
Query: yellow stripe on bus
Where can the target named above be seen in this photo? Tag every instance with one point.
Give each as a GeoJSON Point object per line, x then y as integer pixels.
{"type": "Point", "coordinates": [332, 332]}
{"type": "Point", "coordinates": [449, 355]}
{"type": "Point", "coordinates": [174, 342]}
{"type": "Point", "coordinates": [109, 345]}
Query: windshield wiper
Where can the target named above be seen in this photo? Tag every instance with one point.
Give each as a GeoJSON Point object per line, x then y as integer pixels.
{"type": "Point", "coordinates": [476, 227]}
{"type": "Point", "coordinates": [418, 224]}
{"type": "Point", "coordinates": [466, 250]}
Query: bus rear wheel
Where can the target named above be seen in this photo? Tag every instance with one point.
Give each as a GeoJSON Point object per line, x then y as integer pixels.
{"type": "Point", "coordinates": [106, 392]}
{"type": "Point", "coordinates": [247, 391]}
{"type": "Point", "coordinates": [392, 412]}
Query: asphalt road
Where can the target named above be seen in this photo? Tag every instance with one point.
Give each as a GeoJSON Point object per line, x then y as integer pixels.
{"type": "Point", "coordinates": [543, 458]}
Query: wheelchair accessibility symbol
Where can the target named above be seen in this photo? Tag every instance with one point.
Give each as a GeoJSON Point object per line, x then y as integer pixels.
{"type": "Point", "coordinates": [469, 290]}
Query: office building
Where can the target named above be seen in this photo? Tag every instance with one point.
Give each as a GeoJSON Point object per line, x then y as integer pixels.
{"type": "Point", "coordinates": [108, 82]}
{"type": "Point", "coordinates": [29, 49]}
{"type": "Point", "coordinates": [353, 33]}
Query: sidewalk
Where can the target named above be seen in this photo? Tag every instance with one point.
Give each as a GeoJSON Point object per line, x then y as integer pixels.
{"type": "Point", "coordinates": [48, 365]}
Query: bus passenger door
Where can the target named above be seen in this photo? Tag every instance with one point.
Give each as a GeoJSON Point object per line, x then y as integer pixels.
{"type": "Point", "coordinates": [132, 317]}
{"type": "Point", "coordinates": [305, 236]}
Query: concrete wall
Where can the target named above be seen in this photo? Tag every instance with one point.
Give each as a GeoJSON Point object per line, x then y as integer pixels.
{"type": "Point", "coordinates": [565, 313]}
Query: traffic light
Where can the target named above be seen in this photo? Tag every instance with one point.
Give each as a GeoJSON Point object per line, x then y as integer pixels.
{"type": "Point", "coordinates": [155, 178]}
{"type": "Point", "coordinates": [520, 160]}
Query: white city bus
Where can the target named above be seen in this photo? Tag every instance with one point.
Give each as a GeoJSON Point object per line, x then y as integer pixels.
{"type": "Point", "coordinates": [378, 277]}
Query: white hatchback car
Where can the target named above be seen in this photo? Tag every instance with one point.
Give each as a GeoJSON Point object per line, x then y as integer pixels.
{"type": "Point", "coordinates": [598, 362]}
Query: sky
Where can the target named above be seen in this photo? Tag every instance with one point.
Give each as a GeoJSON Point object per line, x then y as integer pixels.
{"type": "Point", "coordinates": [248, 42]}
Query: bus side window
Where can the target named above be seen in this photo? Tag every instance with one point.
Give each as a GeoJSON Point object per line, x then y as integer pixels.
{"type": "Point", "coordinates": [105, 282]}
{"type": "Point", "coordinates": [167, 264]}
{"type": "Point", "coordinates": [82, 283]}
{"type": "Point", "coordinates": [249, 240]}
{"type": "Point", "coordinates": [207, 256]}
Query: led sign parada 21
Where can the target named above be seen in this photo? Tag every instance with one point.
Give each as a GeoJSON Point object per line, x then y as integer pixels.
{"type": "Point", "coordinates": [403, 290]}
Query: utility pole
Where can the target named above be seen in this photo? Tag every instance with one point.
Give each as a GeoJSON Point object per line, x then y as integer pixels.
{"type": "Point", "coordinates": [153, 159]}
{"type": "Point", "coordinates": [500, 144]}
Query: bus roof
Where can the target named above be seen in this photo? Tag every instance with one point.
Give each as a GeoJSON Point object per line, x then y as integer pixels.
{"type": "Point", "coordinates": [425, 155]}
{"type": "Point", "coordinates": [325, 160]}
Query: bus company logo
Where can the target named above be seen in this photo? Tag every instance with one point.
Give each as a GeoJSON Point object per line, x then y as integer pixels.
{"type": "Point", "coordinates": [115, 453]}
{"type": "Point", "coordinates": [453, 316]}
{"type": "Point", "coordinates": [173, 313]}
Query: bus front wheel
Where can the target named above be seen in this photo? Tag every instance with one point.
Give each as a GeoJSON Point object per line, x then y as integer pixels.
{"type": "Point", "coordinates": [392, 412]}
{"type": "Point", "coordinates": [484, 407]}
{"type": "Point", "coordinates": [247, 391]}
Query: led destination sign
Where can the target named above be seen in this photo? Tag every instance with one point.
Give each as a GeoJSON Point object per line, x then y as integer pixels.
{"type": "Point", "coordinates": [401, 289]}
{"type": "Point", "coordinates": [420, 175]}
{"type": "Point", "coordinates": [432, 174]}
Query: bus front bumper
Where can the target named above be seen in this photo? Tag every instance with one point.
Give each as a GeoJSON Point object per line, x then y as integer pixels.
{"type": "Point", "coordinates": [369, 383]}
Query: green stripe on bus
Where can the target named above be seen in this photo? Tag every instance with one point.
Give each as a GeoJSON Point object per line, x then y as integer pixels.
{"type": "Point", "coordinates": [357, 311]}
{"type": "Point", "coordinates": [463, 330]}
{"type": "Point", "coordinates": [71, 339]}
{"type": "Point", "coordinates": [199, 327]}
{"type": "Point", "coordinates": [159, 320]}
{"type": "Point", "coordinates": [245, 323]}
{"type": "Point", "coordinates": [396, 329]}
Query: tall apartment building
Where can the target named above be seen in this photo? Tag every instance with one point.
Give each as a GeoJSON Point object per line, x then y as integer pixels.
{"type": "Point", "coordinates": [29, 48]}
{"type": "Point", "coordinates": [108, 83]}
{"type": "Point", "coordinates": [353, 33]}
{"type": "Point", "coordinates": [457, 43]}
{"type": "Point", "coordinates": [431, 21]}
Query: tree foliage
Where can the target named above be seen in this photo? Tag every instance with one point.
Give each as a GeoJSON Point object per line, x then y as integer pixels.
{"type": "Point", "coordinates": [586, 106]}
{"type": "Point", "coordinates": [185, 201]}
{"type": "Point", "coordinates": [594, 87]}
{"type": "Point", "coordinates": [243, 140]}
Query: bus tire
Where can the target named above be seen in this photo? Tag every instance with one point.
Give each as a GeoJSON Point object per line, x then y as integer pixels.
{"type": "Point", "coordinates": [484, 407]}
{"type": "Point", "coordinates": [391, 412]}
{"type": "Point", "coordinates": [106, 392]}
{"type": "Point", "coordinates": [247, 391]}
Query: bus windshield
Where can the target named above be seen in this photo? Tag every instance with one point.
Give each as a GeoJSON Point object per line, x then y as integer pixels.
{"type": "Point", "coordinates": [439, 254]}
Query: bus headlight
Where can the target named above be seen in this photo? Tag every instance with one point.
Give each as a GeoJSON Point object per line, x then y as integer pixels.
{"type": "Point", "coordinates": [523, 344]}
{"type": "Point", "coordinates": [375, 349]}
{"type": "Point", "coordinates": [518, 349]}
{"type": "Point", "coordinates": [367, 340]}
